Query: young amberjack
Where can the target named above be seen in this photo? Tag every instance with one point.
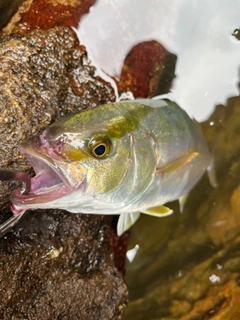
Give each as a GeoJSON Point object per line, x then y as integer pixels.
{"type": "Point", "coordinates": [124, 158]}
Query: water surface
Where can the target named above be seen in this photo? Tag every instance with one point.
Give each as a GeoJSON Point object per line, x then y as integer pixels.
{"type": "Point", "coordinates": [199, 33]}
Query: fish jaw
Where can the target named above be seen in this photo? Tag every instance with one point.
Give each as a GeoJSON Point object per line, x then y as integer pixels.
{"type": "Point", "coordinates": [50, 182]}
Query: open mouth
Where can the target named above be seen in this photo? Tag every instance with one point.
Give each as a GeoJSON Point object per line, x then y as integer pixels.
{"type": "Point", "coordinates": [47, 185]}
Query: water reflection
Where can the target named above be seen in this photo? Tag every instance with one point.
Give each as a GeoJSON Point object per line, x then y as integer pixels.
{"type": "Point", "coordinates": [200, 33]}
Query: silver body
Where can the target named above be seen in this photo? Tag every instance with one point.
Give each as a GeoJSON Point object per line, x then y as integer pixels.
{"type": "Point", "coordinates": [163, 133]}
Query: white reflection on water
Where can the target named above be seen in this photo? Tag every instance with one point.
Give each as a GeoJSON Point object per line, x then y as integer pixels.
{"type": "Point", "coordinates": [199, 32]}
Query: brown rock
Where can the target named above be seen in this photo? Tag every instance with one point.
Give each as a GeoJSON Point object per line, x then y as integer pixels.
{"type": "Point", "coordinates": [221, 303]}
{"type": "Point", "coordinates": [44, 75]}
{"type": "Point", "coordinates": [148, 70]}
{"type": "Point", "coordinates": [46, 14]}
{"type": "Point", "coordinates": [54, 265]}
{"type": "Point", "coordinates": [60, 266]}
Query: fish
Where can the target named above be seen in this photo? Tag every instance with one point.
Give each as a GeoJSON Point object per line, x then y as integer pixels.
{"type": "Point", "coordinates": [125, 158]}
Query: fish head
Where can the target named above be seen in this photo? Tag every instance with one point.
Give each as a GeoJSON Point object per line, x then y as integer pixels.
{"type": "Point", "coordinates": [83, 154]}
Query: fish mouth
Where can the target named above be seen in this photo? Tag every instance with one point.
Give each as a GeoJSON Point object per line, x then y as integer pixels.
{"type": "Point", "coordinates": [49, 183]}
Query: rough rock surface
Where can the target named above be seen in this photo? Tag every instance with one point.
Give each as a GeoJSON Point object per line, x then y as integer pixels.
{"type": "Point", "coordinates": [43, 75]}
{"type": "Point", "coordinates": [148, 70]}
{"type": "Point", "coordinates": [53, 265]}
{"type": "Point", "coordinates": [46, 14]}
{"type": "Point", "coordinates": [61, 266]}
{"type": "Point", "coordinates": [190, 269]}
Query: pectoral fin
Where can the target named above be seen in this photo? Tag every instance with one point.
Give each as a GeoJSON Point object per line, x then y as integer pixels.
{"type": "Point", "coordinates": [159, 211]}
{"type": "Point", "coordinates": [125, 221]}
{"type": "Point", "coordinates": [179, 163]}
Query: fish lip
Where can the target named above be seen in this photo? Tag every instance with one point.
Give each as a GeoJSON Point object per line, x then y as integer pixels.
{"type": "Point", "coordinates": [43, 165]}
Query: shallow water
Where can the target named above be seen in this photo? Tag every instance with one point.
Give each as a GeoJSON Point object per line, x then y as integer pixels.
{"type": "Point", "coordinates": [187, 265]}
{"type": "Point", "coordinates": [180, 260]}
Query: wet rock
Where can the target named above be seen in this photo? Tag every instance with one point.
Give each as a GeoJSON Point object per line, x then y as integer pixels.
{"type": "Point", "coordinates": [53, 265]}
{"type": "Point", "coordinates": [187, 266]}
{"type": "Point", "coordinates": [148, 70]}
{"type": "Point", "coordinates": [46, 14]}
{"type": "Point", "coordinates": [44, 75]}
{"type": "Point", "coordinates": [221, 303]}
{"type": "Point", "coordinates": [61, 266]}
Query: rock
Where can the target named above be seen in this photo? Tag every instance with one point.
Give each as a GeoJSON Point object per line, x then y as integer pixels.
{"type": "Point", "coordinates": [44, 75]}
{"type": "Point", "coordinates": [43, 14]}
{"type": "Point", "coordinates": [148, 70]}
{"type": "Point", "coordinates": [222, 302]}
{"type": "Point", "coordinates": [61, 266]}
{"type": "Point", "coordinates": [53, 265]}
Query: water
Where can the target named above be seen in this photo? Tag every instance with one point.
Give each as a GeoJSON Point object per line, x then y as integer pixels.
{"type": "Point", "coordinates": [185, 266]}
{"type": "Point", "coordinates": [199, 33]}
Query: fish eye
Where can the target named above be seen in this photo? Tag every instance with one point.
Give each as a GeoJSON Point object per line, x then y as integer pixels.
{"type": "Point", "coordinates": [100, 149]}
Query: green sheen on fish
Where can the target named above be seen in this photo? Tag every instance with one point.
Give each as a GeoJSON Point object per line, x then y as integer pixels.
{"type": "Point", "coordinates": [124, 158]}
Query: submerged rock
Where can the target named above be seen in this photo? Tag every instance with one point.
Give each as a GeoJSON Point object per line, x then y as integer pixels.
{"type": "Point", "coordinates": [187, 266]}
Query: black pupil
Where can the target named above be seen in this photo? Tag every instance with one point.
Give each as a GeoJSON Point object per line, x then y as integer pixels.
{"type": "Point", "coordinates": [100, 150]}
